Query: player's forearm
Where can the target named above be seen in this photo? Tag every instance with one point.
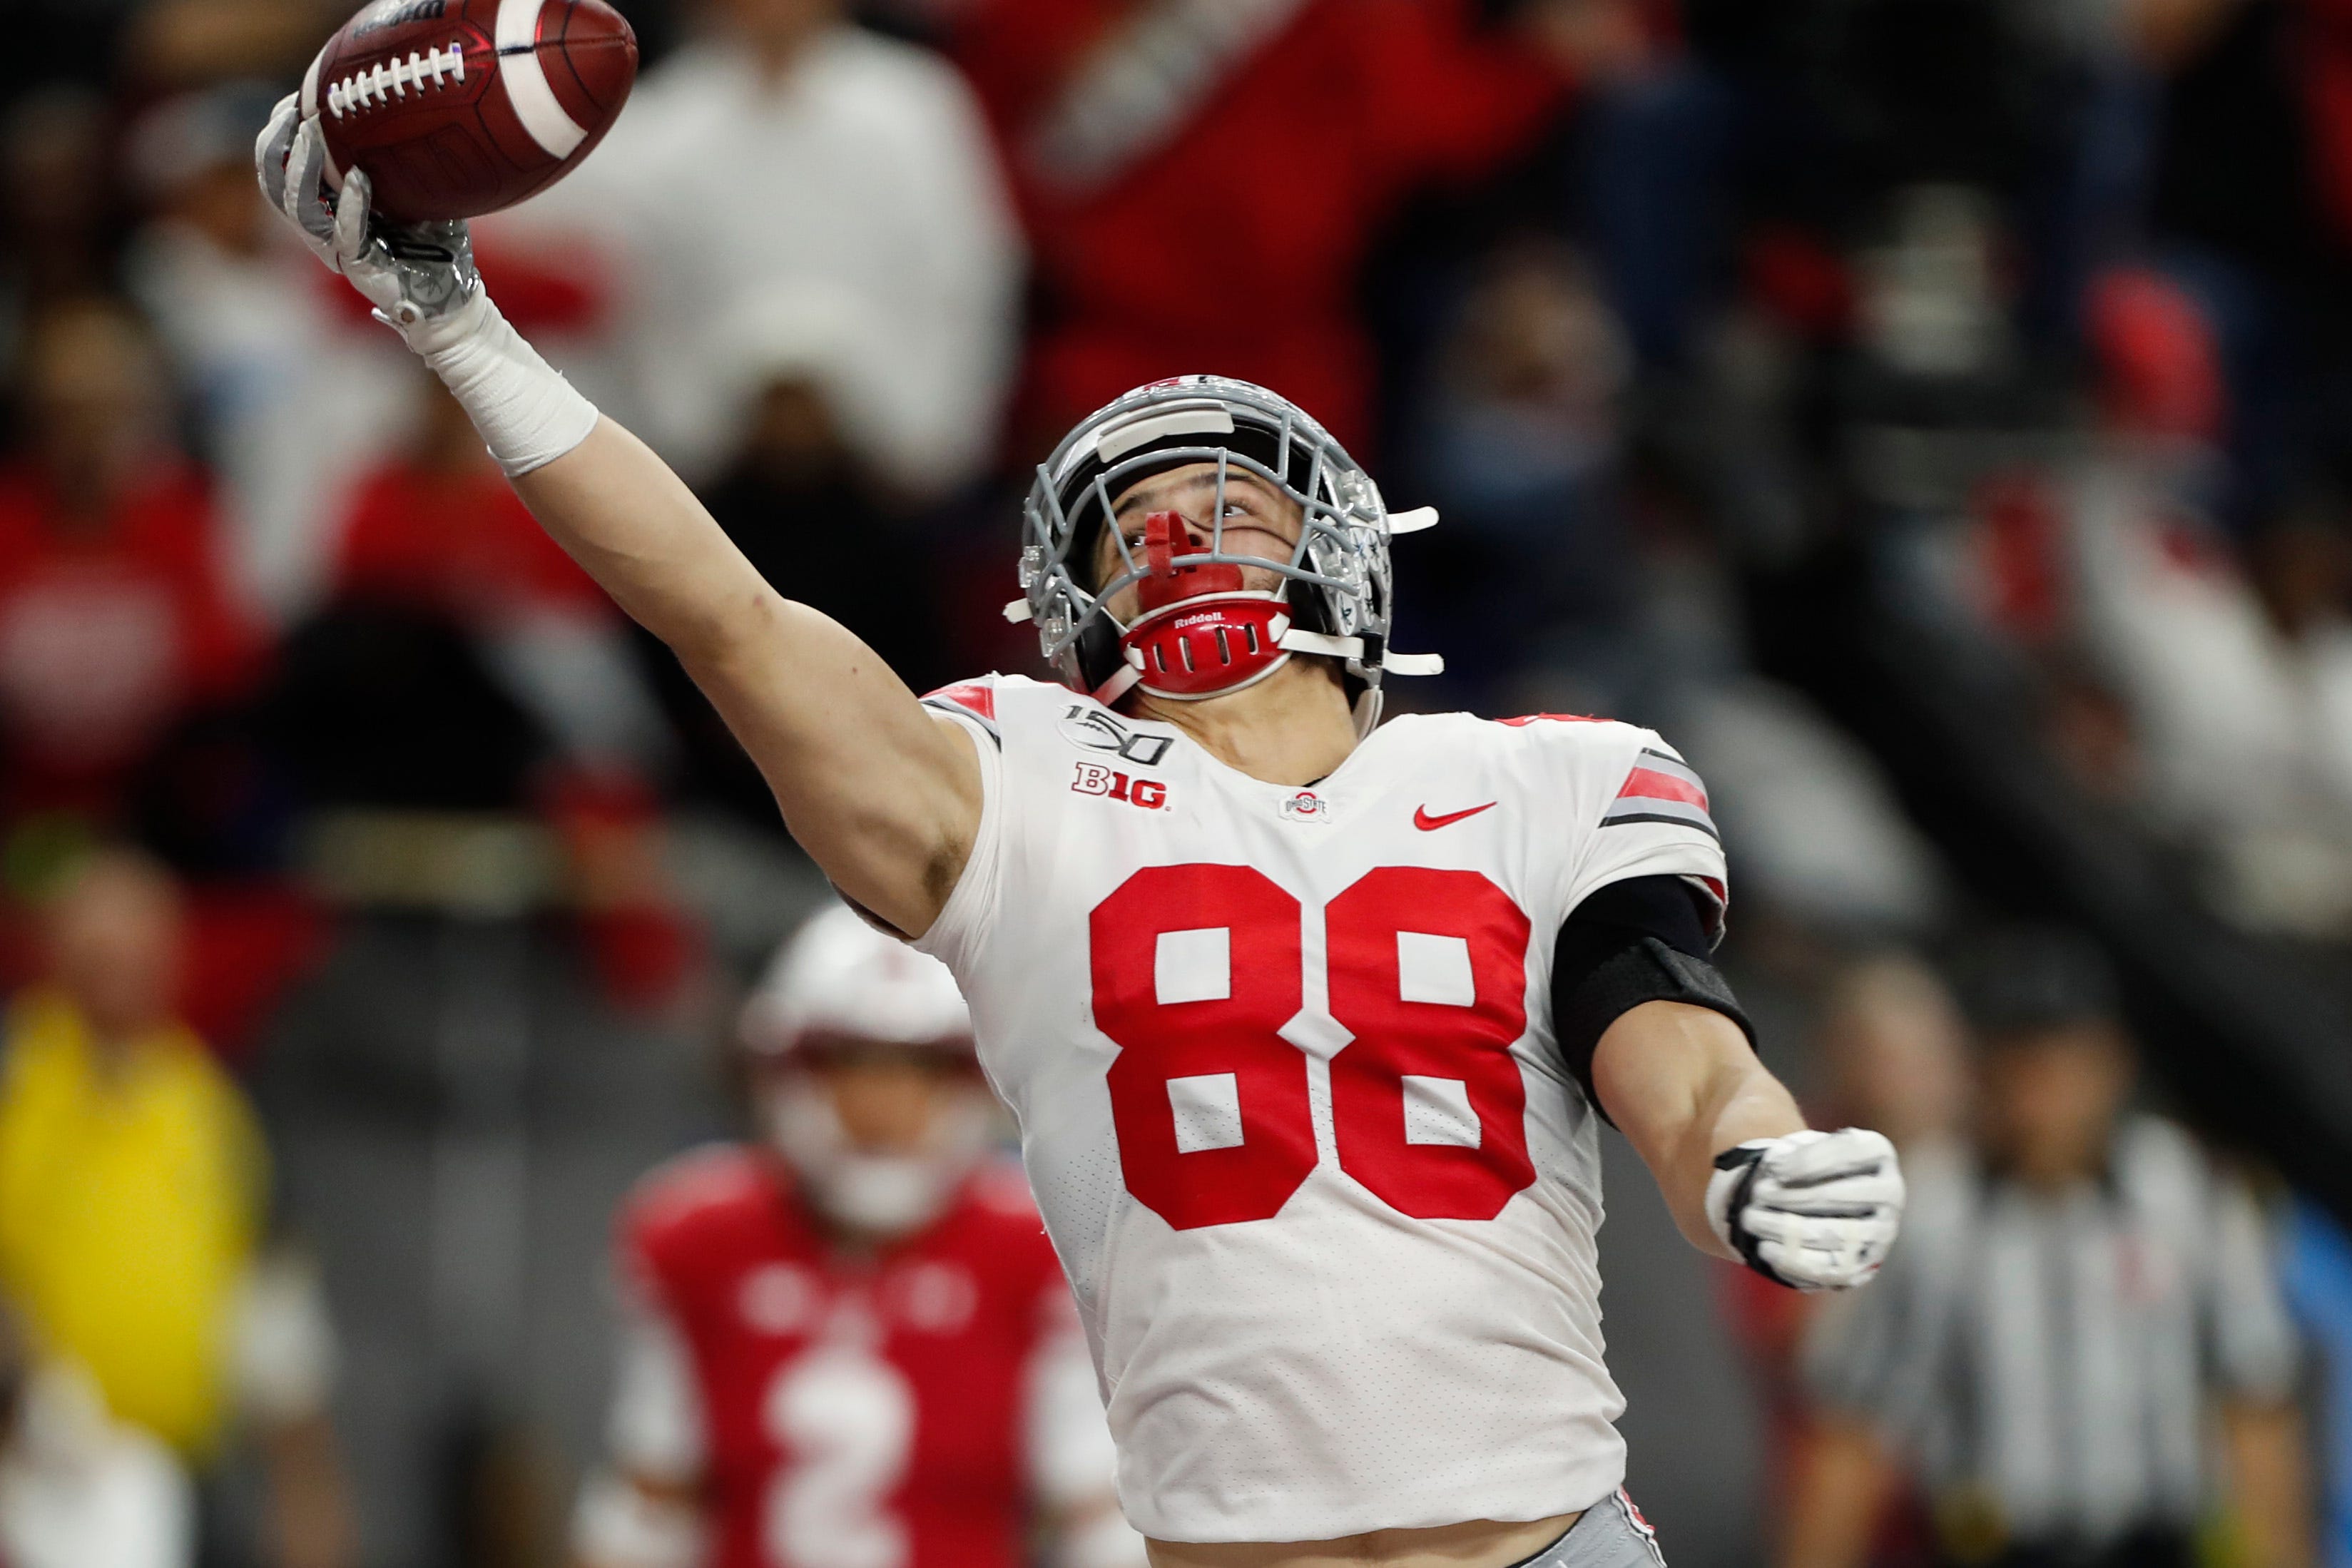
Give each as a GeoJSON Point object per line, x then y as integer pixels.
{"type": "Point", "coordinates": [634, 526]}
{"type": "Point", "coordinates": [874, 790]}
{"type": "Point", "coordinates": [1684, 1085]}
{"type": "Point", "coordinates": [1743, 1102]}
{"type": "Point", "coordinates": [2269, 1487]}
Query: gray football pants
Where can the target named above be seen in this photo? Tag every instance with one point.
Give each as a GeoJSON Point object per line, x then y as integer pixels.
{"type": "Point", "coordinates": [1609, 1534]}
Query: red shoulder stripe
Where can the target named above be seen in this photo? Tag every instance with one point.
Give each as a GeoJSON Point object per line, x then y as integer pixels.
{"type": "Point", "coordinates": [979, 696]}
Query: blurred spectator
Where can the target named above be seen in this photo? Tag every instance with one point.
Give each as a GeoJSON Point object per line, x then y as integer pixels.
{"type": "Point", "coordinates": [2238, 688]}
{"type": "Point", "coordinates": [785, 147]}
{"type": "Point", "coordinates": [1896, 1051]}
{"type": "Point", "coordinates": [798, 500]}
{"type": "Point", "coordinates": [2045, 1348]}
{"type": "Point", "coordinates": [1517, 447]}
{"type": "Point", "coordinates": [436, 543]}
{"type": "Point", "coordinates": [53, 202]}
{"type": "Point", "coordinates": [1893, 1056]}
{"type": "Point", "coordinates": [132, 1184]}
{"type": "Point", "coordinates": [864, 1279]}
{"type": "Point", "coordinates": [2253, 213]}
{"type": "Point", "coordinates": [293, 393]}
{"type": "Point", "coordinates": [1824, 837]}
{"type": "Point", "coordinates": [78, 1488]}
{"type": "Point", "coordinates": [179, 44]}
{"type": "Point", "coordinates": [1203, 180]}
{"type": "Point", "coordinates": [438, 529]}
{"type": "Point", "coordinates": [115, 622]}
{"type": "Point", "coordinates": [2319, 1283]}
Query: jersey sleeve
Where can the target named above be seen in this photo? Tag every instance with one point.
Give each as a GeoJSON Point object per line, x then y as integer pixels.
{"type": "Point", "coordinates": [964, 924]}
{"type": "Point", "coordinates": [1646, 814]}
{"type": "Point", "coordinates": [654, 1426]}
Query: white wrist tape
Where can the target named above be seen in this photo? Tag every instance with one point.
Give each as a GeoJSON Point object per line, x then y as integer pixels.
{"type": "Point", "coordinates": [527, 415]}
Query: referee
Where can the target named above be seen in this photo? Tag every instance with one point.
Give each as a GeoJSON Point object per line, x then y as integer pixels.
{"type": "Point", "coordinates": [2070, 1306]}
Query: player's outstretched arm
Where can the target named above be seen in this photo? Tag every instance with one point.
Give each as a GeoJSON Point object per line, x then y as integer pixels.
{"type": "Point", "coordinates": [1730, 1150]}
{"type": "Point", "coordinates": [885, 795]}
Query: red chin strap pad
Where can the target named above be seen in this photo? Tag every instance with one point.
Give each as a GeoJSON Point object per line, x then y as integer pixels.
{"type": "Point", "coordinates": [1199, 633]}
{"type": "Point", "coordinates": [1164, 535]}
{"type": "Point", "coordinates": [1199, 647]}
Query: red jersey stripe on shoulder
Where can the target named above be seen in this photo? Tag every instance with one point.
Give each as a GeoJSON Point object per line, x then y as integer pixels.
{"type": "Point", "coordinates": [1649, 784]}
{"type": "Point", "coordinates": [1524, 719]}
{"type": "Point", "coordinates": [977, 697]}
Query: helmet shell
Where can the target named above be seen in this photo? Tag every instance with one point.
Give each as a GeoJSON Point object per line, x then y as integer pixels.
{"type": "Point", "coordinates": [838, 978]}
{"type": "Point", "coordinates": [1336, 580]}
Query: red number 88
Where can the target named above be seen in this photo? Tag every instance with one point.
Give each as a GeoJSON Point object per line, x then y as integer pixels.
{"type": "Point", "coordinates": [1197, 968]}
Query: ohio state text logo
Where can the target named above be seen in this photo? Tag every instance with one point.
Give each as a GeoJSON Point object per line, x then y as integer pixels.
{"type": "Point", "coordinates": [1306, 806]}
{"type": "Point", "coordinates": [1095, 779]}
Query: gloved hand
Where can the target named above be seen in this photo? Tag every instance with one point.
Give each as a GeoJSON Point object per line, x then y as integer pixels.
{"type": "Point", "coordinates": [419, 276]}
{"type": "Point", "coordinates": [1815, 1211]}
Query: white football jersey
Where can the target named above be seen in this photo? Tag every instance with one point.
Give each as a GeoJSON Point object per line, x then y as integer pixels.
{"type": "Point", "coordinates": [1289, 1098]}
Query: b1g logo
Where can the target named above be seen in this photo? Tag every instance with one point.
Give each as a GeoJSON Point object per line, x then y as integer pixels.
{"type": "Point", "coordinates": [1095, 779]}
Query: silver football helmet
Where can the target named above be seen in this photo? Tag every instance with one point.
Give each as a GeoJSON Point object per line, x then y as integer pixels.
{"type": "Point", "coordinates": [1334, 596]}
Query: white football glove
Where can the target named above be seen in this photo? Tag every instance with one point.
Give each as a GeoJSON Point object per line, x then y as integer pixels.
{"type": "Point", "coordinates": [1816, 1211]}
{"type": "Point", "coordinates": [420, 276]}
{"type": "Point", "coordinates": [417, 275]}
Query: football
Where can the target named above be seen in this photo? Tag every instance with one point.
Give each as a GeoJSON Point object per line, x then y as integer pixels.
{"type": "Point", "coordinates": [457, 107]}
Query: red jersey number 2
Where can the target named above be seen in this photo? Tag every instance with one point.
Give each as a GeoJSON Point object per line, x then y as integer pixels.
{"type": "Point", "coordinates": [1196, 970]}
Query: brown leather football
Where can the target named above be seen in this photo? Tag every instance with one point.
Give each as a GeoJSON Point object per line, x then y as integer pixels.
{"type": "Point", "coordinates": [455, 108]}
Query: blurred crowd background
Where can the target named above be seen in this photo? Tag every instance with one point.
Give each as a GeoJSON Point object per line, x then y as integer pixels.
{"type": "Point", "coordinates": [1934, 415]}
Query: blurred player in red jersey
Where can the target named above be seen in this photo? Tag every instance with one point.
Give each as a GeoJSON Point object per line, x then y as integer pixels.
{"type": "Point", "coordinates": [849, 1345]}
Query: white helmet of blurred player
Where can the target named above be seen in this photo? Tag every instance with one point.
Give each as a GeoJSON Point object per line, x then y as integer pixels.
{"type": "Point", "coordinates": [840, 991]}
{"type": "Point", "coordinates": [1199, 632]}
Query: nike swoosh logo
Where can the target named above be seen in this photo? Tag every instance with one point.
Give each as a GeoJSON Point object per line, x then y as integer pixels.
{"type": "Point", "coordinates": [1428, 824]}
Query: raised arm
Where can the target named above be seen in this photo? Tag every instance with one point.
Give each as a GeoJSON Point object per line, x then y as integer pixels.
{"type": "Point", "coordinates": [885, 795]}
{"type": "Point", "coordinates": [1683, 1084]}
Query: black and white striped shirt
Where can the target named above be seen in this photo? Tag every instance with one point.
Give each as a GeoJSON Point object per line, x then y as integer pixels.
{"type": "Point", "coordinates": [2050, 1357]}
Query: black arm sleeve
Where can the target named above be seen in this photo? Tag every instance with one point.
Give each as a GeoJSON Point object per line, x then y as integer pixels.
{"type": "Point", "coordinates": [1640, 940]}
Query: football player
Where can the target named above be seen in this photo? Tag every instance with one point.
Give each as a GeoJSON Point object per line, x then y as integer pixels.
{"type": "Point", "coordinates": [1309, 1024]}
{"type": "Point", "coordinates": [849, 1345]}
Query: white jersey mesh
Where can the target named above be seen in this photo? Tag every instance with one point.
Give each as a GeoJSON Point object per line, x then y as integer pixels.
{"type": "Point", "coordinates": [1409, 1333]}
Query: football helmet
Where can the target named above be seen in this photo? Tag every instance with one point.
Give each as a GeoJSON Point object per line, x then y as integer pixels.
{"type": "Point", "coordinates": [835, 983]}
{"type": "Point", "coordinates": [1199, 632]}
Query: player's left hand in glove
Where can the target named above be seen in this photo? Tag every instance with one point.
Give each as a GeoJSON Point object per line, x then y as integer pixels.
{"type": "Point", "coordinates": [1815, 1211]}
{"type": "Point", "coordinates": [419, 276]}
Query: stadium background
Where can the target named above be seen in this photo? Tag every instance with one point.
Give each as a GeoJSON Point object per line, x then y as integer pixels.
{"type": "Point", "coordinates": [1933, 414]}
